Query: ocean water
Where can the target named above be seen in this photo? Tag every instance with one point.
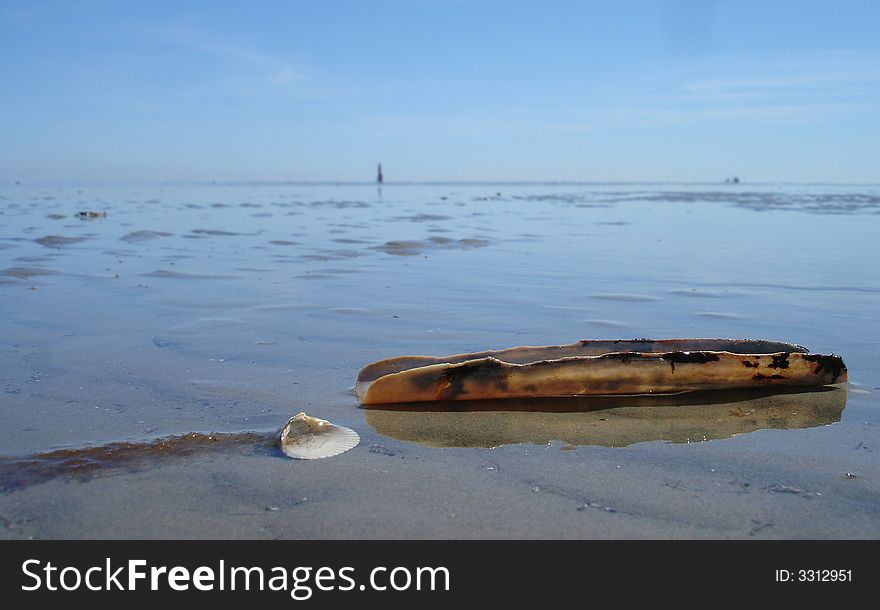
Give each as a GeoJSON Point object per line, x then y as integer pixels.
{"type": "Point", "coordinates": [230, 307]}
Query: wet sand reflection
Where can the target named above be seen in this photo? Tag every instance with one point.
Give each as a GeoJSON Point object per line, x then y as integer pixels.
{"type": "Point", "coordinates": [610, 421]}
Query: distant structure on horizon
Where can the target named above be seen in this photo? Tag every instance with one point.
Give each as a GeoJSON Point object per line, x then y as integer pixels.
{"type": "Point", "coordinates": [379, 177]}
{"type": "Point", "coordinates": [734, 180]}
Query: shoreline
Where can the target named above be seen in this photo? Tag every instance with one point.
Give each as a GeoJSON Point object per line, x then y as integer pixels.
{"type": "Point", "coordinates": [230, 309]}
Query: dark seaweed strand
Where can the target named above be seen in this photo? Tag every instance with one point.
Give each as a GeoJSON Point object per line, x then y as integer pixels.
{"type": "Point", "coordinates": [85, 463]}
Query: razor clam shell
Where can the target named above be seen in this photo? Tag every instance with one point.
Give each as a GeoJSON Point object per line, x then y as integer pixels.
{"type": "Point", "coordinates": [648, 369]}
{"type": "Point", "coordinates": [310, 438]}
{"type": "Point", "coordinates": [528, 353]}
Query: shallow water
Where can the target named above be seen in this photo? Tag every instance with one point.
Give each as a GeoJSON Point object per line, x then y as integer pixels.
{"type": "Point", "coordinates": [228, 308]}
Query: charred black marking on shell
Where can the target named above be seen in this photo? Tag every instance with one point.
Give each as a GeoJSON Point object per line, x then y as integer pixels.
{"type": "Point", "coordinates": [750, 365]}
{"type": "Point", "coordinates": [483, 371]}
{"type": "Point", "coordinates": [690, 357]}
{"type": "Point", "coordinates": [623, 357]}
{"type": "Point", "coordinates": [616, 341]}
{"type": "Point", "coordinates": [780, 361]}
{"type": "Point", "coordinates": [674, 358]}
{"type": "Point", "coordinates": [760, 377]}
{"type": "Point", "coordinates": [833, 364]}
{"type": "Point", "coordinates": [425, 382]}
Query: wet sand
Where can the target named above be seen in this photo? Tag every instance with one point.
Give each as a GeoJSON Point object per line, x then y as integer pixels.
{"type": "Point", "coordinates": [228, 308]}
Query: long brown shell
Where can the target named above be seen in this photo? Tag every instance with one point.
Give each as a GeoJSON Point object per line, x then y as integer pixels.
{"type": "Point", "coordinates": [640, 366]}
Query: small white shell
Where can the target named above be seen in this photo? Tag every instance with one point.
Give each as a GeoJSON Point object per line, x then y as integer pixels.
{"type": "Point", "coordinates": [309, 438]}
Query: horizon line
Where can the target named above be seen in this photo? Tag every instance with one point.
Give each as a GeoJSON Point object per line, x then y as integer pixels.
{"type": "Point", "coordinates": [281, 182]}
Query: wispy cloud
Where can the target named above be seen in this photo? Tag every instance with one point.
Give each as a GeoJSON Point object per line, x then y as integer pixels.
{"type": "Point", "coordinates": [726, 90]}
{"type": "Point", "coordinates": [801, 89]}
{"type": "Point", "coordinates": [271, 69]}
{"type": "Point", "coordinates": [717, 91]}
{"type": "Point", "coordinates": [285, 76]}
{"type": "Point", "coordinates": [823, 74]}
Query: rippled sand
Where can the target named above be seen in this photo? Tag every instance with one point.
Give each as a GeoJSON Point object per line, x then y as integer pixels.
{"type": "Point", "coordinates": [228, 308]}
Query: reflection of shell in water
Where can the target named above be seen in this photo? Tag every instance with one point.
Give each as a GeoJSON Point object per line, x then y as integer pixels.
{"type": "Point", "coordinates": [611, 421]}
{"type": "Point", "coordinates": [309, 438]}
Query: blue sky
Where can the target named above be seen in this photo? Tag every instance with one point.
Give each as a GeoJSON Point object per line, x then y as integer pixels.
{"type": "Point", "coordinates": [669, 90]}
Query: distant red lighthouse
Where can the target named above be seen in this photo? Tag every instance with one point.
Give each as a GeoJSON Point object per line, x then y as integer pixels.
{"type": "Point", "coordinates": [380, 178]}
